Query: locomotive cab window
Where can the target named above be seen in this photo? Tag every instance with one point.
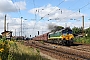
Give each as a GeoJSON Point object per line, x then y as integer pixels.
{"type": "Point", "coordinates": [70, 32]}
{"type": "Point", "coordinates": [64, 32]}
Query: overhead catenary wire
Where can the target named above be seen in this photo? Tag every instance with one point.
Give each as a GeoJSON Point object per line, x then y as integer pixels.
{"type": "Point", "coordinates": [71, 13]}
{"type": "Point", "coordinates": [17, 8]}
{"type": "Point", "coordinates": [64, 17]}
{"type": "Point", "coordinates": [59, 9]}
{"type": "Point", "coordinates": [35, 15]}
{"type": "Point", "coordinates": [18, 11]}
{"type": "Point", "coordinates": [53, 9]}
{"type": "Point", "coordinates": [49, 12]}
{"type": "Point", "coordinates": [78, 9]}
{"type": "Point", "coordinates": [45, 15]}
{"type": "Point", "coordinates": [35, 10]}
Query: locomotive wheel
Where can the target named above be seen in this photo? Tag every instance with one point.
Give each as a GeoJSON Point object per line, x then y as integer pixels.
{"type": "Point", "coordinates": [71, 43]}
{"type": "Point", "coordinates": [59, 42]}
{"type": "Point", "coordinates": [67, 42]}
{"type": "Point", "coordinates": [63, 43]}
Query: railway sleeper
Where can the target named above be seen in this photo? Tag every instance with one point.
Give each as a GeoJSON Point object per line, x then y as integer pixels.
{"type": "Point", "coordinates": [61, 53]}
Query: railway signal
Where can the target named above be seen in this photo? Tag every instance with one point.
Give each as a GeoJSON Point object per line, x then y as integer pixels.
{"type": "Point", "coordinates": [38, 32]}
{"type": "Point", "coordinates": [30, 35]}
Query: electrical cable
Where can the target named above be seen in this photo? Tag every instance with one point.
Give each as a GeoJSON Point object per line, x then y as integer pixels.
{"type": "Point", "coordinates": [46, 14]}
{"type": "Point", "coordinates": [78, 9]}
{"type": "Point", "coordinates": [53, 9]}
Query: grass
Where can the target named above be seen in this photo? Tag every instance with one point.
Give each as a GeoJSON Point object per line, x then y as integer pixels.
{"type": "Point", "coordinates": [24, 53]}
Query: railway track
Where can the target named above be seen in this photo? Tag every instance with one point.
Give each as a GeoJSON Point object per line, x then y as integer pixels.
{"type": "Point", "coordinates": [62, 52]}
{"type": "Point", "coordinates": [82, 48]}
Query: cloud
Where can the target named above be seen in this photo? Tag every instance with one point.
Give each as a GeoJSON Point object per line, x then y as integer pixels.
{"type": "Point", "coordinates": [55, 13]}
{"type": "Point", "coordinates": [1, 16]}
{"type": "Point", "coordinates": [65, 0]}
{"type": "Point", "coordinates": [68, 0]}
{"type": "Point", "coordinates": [9, 6]}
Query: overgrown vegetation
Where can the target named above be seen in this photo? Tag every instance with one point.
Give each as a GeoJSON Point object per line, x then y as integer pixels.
{"type": "Point", "coordinates": [78, 31]}
{"type": "Point", "coordinates": [7, 49]}
{"type": "Point", "coordinates": [42, 42]}
{"type": "Point", "coordinates": [12, 50]}
{"type": "Point", "coordinates": [26, 53]}
{"type": "Point", "coordinates": [85, 40]}
{"type": "Point", "coordinates": [86, 37]}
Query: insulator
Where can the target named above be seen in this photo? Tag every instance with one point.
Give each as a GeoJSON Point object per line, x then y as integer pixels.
{"type": "Point", "coordinates": [30, 35]}
{"type": "Point", "coordinates": [42, 9]}
{"type": "Point", "coordinates": [50, 19]}
{"type": "Point", "coordinates": [61, 11]}
{"type": "Point", "coordinates": [36, 10]}
{"type": "Point", "coordinates": [41, 17]}
{"type": "Point", "coordinates": [38, 32]}
{"type": "Point", "coordinates": [79, 10]}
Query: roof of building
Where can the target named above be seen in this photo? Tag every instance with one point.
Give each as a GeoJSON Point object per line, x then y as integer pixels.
{"type": "Point", "coordinates": [6, 31]}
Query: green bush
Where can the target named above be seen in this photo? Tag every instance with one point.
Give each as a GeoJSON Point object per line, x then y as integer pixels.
{"type": "Point", "coordinates": [4, 49]}
{"type": "Point", "coordinates": [85, 40]}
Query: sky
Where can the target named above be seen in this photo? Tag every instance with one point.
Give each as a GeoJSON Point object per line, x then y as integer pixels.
{"type": "Point", "coordinates": [39, 14]}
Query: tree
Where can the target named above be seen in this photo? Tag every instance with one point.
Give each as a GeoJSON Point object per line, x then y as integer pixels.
{"type": "Point", "coordinates": [87, 31]}
{"type": "Point", "coordinates": [77, 30]}
{"type": "Point", "coordinates": [0, 36]}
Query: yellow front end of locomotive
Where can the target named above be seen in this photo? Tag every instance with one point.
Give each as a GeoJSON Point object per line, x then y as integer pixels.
{"type": "Point", "coordinates": [67, 37]}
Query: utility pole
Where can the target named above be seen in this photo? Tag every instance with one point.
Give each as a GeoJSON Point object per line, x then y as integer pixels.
{"type": "Point", "coordinates": [83, 25]}
{"type": "Point", "coordinates": [65, 25]}
{"type": "Point", "coordinates": [38, 32]}
{"type": "Point", "coordinates": [5, 24]}
{"type": "Point", "coordinates": [19, 33]}
{"type": "Point", "coordinates": [42, 30]}
{"type": "Point", "coordinates": [21, 26]}
{"type": "Point", "coordinates": [15, 32]}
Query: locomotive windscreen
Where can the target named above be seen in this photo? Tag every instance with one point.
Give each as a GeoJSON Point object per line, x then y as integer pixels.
{"type": "Point", "coordinates": [67, 31]}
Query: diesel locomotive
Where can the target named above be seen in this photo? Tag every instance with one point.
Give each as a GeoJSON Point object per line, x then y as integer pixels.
{"type": "Point", "coordinates": [64, 37]}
